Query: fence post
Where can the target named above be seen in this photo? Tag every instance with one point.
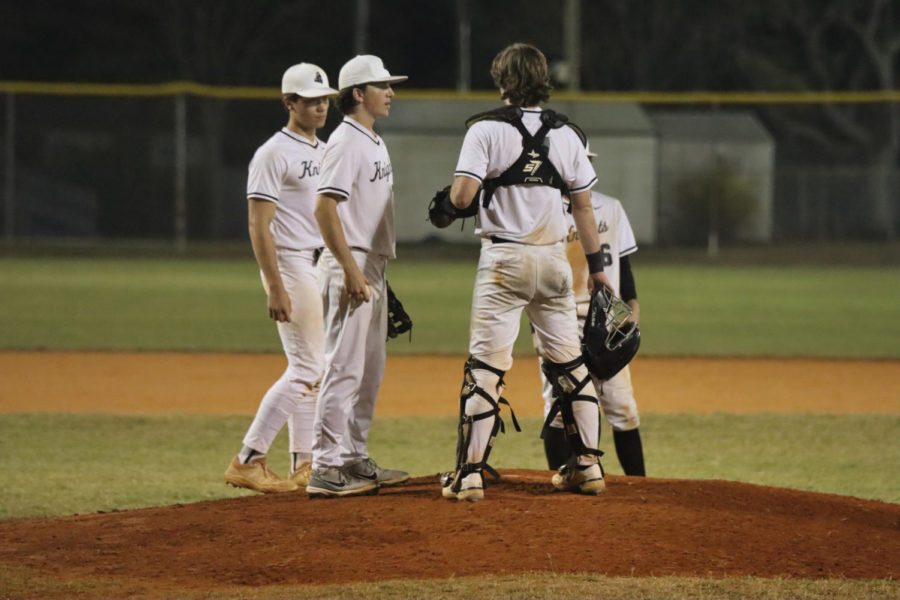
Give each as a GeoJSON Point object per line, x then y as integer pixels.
{"type": "Point", "coordinates": [464, 50]}
{"type": "Point", "coordinates": [572, 42]}
{"type": "Point", "coordinates": [180, 172]}
{"type": "Point", "coordinates": [9, 195]}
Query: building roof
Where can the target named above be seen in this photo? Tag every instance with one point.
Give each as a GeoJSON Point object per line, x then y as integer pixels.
{"type": "Point", "coordinates": [725, 126]}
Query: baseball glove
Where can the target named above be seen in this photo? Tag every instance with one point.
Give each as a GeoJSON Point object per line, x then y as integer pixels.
{"type": "Point", "coordinates": [442, 213]}
{"type": "Point", "coordinates": [398, 321]}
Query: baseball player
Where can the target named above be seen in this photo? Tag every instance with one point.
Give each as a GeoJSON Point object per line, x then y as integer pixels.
{"type": "Point", "coordinates": [355, 212]}
{"type": "Point", "coordinates": [522, 159]}
{"type": "Point", "coordinates": [281, 188]}
{"type": "Point", "coordinates": [616, 394]}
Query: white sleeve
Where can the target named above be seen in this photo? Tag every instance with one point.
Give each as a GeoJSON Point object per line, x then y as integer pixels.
{"type": "Point", "coordinates": [339, 168]}
{"type": "Point", "coordinates": [627, 243]}
{"type": "Point", "coordinates": [473, 156]}
{"type": "Point", "coordinates": [582, 176]}
{"type": "Point", "coordinates": [265, 174]}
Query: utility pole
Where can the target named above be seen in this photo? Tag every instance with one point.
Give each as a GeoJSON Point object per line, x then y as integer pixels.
{"type": "Point", "coordinates": [572, 42]}
{"type": "Point", "coordinates": [360, 38]}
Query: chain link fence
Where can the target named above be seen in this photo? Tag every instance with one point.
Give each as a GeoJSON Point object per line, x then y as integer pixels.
{"type": "Point", "coordinates": [169, 163]}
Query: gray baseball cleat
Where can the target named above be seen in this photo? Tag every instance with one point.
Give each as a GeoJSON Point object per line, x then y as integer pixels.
{"type": "Point", "coordinates": [335, 482]}
{"type": "Point", "coordinates": [369, 470]}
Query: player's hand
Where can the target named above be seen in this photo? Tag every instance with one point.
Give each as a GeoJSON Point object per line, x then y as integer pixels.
{"type": "Point", "coordinates": [279, 305]}
{"type": "Point", "coordinates": [635, 315]}
{"type": "Point", "coordinates": [596, 280]}
{"type": "Point", "coordinates": [357, 286]}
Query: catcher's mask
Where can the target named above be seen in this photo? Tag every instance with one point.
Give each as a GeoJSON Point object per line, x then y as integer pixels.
{"type": "Point", "coordinates": [610, 341]}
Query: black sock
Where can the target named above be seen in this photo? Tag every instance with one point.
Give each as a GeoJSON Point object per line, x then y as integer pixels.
{"type": "Point", "coordinates": [247, 454]}
{"type": "Point", "coordinates": [556, 447]}
{"type": "Point", "coordinates": [630, 451]}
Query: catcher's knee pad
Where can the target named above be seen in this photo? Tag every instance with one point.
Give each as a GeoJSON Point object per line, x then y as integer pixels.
{"type": "Point", "coordinates": [568, 381]}
{"type": "Point", "coordinates": [476, 405]}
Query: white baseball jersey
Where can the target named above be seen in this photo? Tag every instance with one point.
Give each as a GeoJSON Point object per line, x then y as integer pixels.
{"type": "Point", "coordinates": [616, 395]}
{"type": "Point", "coordinates": [285, 170]}
{"type": "Point", "coordinates": [525, 269]}
{"type": "Point", "coordinates": [529, 214]}
{"type": "Point", "coordinates": [357, 168]}
{"type": "Point", "coordinates": [616, 240]}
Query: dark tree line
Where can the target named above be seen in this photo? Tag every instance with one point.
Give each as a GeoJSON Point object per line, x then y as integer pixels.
{"type": "Point", "coordinates": [627, 45]}
{"type": "Point", "coordinates": [657, 45]}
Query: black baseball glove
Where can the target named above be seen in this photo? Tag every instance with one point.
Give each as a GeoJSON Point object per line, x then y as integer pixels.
{"type": "Point", "coordinates": [398, 321]}
{"type": "Point", "coordinates": [441, 211]}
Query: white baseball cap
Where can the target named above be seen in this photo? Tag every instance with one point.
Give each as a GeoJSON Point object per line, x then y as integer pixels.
{"type": "Point", "coordinates": [306, 80]}
{"type": "Point", "coordinates": [365, 68]}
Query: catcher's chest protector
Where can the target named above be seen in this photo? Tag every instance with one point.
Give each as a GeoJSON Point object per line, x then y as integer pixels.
{"type": "Point", "coordinates": [533, 165]}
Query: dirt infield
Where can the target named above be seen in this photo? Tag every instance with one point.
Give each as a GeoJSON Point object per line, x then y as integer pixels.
{"type": "Point", "coordinates": [639, 527]}
{"type": "Point", "coordinates": [428, 385]}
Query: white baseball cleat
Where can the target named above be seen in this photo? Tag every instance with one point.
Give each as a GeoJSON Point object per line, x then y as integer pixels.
{"type": "Point", "coordinates": [471, 489]}
{"type": "Point", "coordinates": [587, 479]}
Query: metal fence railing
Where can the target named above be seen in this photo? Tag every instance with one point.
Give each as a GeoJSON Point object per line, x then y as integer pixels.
{"type": "Point", "coordinates": [169, 161]}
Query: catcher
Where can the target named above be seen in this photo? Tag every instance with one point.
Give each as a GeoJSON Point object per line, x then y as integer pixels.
{"type": "Point", "coordinates": [516, 164]}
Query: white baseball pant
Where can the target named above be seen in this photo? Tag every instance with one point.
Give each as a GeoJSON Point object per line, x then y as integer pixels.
{"type": "Point", "coordinates": [512, 277]}
{"type": "Point", "coordinates": [355, 336]}
{"type": "Point", "coordinates": [293, 397]}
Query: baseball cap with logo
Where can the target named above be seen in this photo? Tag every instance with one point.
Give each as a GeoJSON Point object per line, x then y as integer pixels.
{"type": "Point", "coordinates": [306, 80]}
{"type": "Point", "coordinates": [365, 68]}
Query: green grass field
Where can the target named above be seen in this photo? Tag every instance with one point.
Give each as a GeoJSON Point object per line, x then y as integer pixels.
{"type": "Point", "coordinates": [219, 305]}
{"type": "Point", "coordinates": [74, 464]}
{"type": "Point", "coordinates": [746, 303]}
{"type": "Point", "coordinates": [21, 583]}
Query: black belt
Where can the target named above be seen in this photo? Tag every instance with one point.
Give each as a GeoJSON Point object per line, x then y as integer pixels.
{"type": "Point", "coordinates": [317, 252]}
{"type": "Point", "coordinates": [499, 240]}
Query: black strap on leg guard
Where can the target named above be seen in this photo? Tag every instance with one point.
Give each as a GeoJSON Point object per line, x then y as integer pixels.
{"type": "Point", "coordinates": [464, 438]}
{"type": "Point", "coordinates": [473, 363]}
{"type": "Point", "coordinates": [566, 390]}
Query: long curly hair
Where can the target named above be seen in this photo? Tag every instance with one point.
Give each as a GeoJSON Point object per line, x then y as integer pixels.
{"type": "Point", "coordinates": [520, 73]}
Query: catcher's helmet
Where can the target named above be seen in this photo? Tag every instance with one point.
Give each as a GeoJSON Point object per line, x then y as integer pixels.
{"type": "Point", "coordinates": [610, 341]}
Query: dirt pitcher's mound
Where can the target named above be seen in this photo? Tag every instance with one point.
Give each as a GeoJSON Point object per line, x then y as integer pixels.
{"type": "Point", "coordinates": [637, 527]}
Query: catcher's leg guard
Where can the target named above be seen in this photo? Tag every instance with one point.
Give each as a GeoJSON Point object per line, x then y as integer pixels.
{"type": "Point", "coordinates": [576, 401]}
{"type": "Point", "coordinates": [479, 422]}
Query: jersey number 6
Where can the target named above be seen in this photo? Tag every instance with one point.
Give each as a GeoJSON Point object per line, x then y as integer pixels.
{"type": "Point", "coordinates": [607, 257]}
